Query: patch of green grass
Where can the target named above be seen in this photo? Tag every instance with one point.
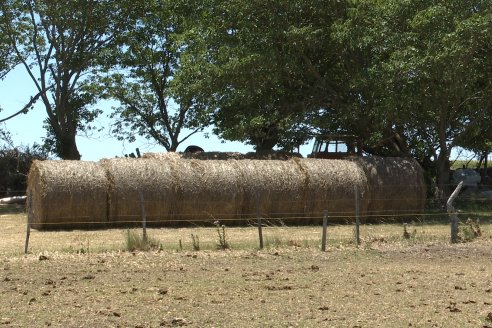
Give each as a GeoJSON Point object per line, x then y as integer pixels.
{"type": "Point", "coordinates": [137, 242]}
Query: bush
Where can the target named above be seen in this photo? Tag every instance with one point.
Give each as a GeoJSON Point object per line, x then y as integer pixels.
{"type": "Point", "coordinates": [15, 163]}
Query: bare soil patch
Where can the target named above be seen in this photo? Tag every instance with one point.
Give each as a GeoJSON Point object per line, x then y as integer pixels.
{"type": "Point", "coordinates": [381, 284]}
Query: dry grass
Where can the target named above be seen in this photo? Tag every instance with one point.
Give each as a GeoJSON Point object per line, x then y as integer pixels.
{"type": "Point", "coordinates": [396, 185]}
{"type": "Point", "coordinates": [58, 189]}
{"type": "Point", "coordinates": [176, 190]}
{"type": "Point", "coordinates": [83, 279]}
{"type": "Point", "coordinates": [190, 189]}
{"type": "Point", "coordinates": [241, 238]}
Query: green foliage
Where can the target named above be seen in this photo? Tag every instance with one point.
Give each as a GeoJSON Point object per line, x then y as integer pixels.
{"type": "Point", "coordinates": [458, 164]}
{"type": "Point", "coordinates": [420, 70]}
{"type": "Point", "coordinates": [6, 58]}
{"type": "Point", "coordinates": [152, 102]}
{"type": "Point", "coordinates": [61, 46]}
{"type": "Point", "coordinates": [264, 71]}
{"type": "Point", "coordinates": [404, 77]}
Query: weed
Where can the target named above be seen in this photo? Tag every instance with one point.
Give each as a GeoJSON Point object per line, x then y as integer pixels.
{"type": "Point", "coordinates": [274, 241]}
{"type": "Point", "coordinates": [408, 235]}
{"type": "Point", "coordinates": [298, 243]}
{"type": "Point", "coordinates": [222, 242]}
{"type": "Point", "coordinates": [196, 242]}
{"type": "Point", "coordinates": [135, 241]}
{"type": "Point", "coordinates": [71, 249]}
{"type": "Point", "coordinates": [293, 243]}
{"type": "Point", "coordinates": [469, 230]}
{"type": "Point", "coordinates": [80, 248]}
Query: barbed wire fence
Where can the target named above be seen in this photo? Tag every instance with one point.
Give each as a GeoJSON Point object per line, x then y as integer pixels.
{"type": "Point", "coordinates": [358, 227]}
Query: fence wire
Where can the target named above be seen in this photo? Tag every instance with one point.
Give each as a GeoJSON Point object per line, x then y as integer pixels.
{"type": "Point", "coordinates": [101, 225]}
{"type": "Point", "coordinates": [242, 233]}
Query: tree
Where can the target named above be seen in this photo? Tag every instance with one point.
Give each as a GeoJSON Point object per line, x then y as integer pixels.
{"type": "Point", "coordinates": [428, 66]}
{"type": "Point", "coordinates": [267, 65]}
{"type": "Point", "coordinates": [61, 46]}
{"type": "Point", "coordinates": [6, 60]}
{"type": "Point", "coordinates": [152, 102]}
{"type": "Point", "coordinates": [6, 55]}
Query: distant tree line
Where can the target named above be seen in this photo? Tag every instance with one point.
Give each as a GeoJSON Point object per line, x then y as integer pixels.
{"type": "Point", "coordinates": [406, 78]}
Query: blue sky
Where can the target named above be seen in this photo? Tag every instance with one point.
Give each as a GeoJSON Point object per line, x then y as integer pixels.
{"type": "Point", "coordinates": [16, 90]}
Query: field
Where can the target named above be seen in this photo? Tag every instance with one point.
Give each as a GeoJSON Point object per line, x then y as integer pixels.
{"type": "Point", "coordinates": [88, 279]}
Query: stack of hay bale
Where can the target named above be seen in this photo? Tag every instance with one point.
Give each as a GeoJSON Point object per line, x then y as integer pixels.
{"type": "Point", "coordinates": [174, 190]}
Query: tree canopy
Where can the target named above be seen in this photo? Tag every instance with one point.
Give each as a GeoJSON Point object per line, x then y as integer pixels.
{"type": "Point", "coordinates": [60, 45]}
{"type": "Point", "coordinates": [428, 76]}
{"type": "Point", "coordinates": [268, 64]}
{"type": "Point", "coordinates": [406, 78]}
{"type": "Point", "coordinates": [151, 103]}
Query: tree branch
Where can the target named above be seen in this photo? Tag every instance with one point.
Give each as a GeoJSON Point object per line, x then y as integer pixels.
{"type": "Point", "coordinates": [26, 107]}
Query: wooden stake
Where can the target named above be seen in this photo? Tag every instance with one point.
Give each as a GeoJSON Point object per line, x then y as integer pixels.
{"type": "Point", "coordinates": [452, 213]}
{"type": "Point", "coordinates": [357, 217]}
{"type": "Point", "coordinates": [144, 216]}
{"type": "Point", "coordinates": [29, 220]}
{"type": "Point", "coordinates": [323, 236]}
{"type": "Point", "coordinates": [258, 216]}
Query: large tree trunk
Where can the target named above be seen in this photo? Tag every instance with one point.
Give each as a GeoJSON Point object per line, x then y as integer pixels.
{"type": "Point", "coordinates": [66, 147]}
{"type": "Point", "coordinates": [266, 145]}
{"type": "Point", "coordinates": [174, 142]}
{"type": "Point", "coordinates": [267, 139]}
{"type": "Point", "coordinates": [443, 168]}
{"type": "Point", "coordinates": [443, 172]}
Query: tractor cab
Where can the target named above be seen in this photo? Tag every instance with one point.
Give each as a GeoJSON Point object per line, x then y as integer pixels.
{"type": "Point", "coordinates": [335, 147]}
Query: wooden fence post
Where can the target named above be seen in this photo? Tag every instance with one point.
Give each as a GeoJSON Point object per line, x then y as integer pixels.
{"type": "Point", "coordinates": [357, 216]}
{"type": "Point", "coordinates": [452, 213]}
{"type": "Point", "coordinates": [323, 235]}
{"type": "Point", "coordinates": [144, 216]}
{"type": "Point", "coordinates": [258, 216]}
{"type": "Point", "coordinates": [29, 220]}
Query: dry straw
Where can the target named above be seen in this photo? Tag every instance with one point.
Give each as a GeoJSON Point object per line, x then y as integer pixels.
{"type": "Point", "coordinates": [67, 194]}
{"type": "Point", "coordinates": [177, 189]}
{"type": "Point", "coordinates": [332, 185]}
{"type": "Point", "coordinates": [173, 190]}
{"type": "Point", "coordinates": [216, 155]}
{"type": "Point", "coordinates": [163, 156]}
{"type": "Point", "coordinates": [396, 185]}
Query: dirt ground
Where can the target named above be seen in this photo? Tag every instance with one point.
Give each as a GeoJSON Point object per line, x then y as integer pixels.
{"type": "Point", "coordinates": [381, 284]}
